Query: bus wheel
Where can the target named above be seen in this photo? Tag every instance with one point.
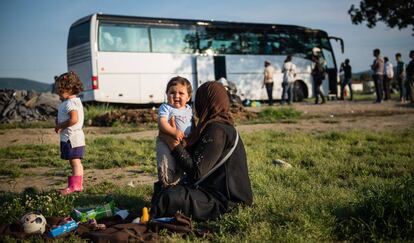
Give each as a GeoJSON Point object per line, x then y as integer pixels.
{"type": "Point", "coordinates": [300, 91]}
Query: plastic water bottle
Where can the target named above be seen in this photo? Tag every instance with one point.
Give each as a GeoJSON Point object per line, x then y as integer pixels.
{"type": "Point", "coordinates": [104, 211]}
{"type": "Point", "coordinates": [97, 213]}
{"type": "Point", "coordinates": [61, 229]}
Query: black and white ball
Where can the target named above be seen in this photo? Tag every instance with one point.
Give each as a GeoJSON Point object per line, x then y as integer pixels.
{"type": "Point", "coordinates": [33, 223]}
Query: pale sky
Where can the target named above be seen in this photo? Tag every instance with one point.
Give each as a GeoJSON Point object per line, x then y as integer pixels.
{"type": "Point", "coordinates": [34, 32]}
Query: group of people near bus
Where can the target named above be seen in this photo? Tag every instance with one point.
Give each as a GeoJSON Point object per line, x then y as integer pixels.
{"type": "Point", "coordinates": [289, 74]}
{"type": "Point", "coordinates": [383, 74]}
{"type": "Point", "coordinates": [289, 77]}
{"type": "Point", "coordinates": [202, 166]}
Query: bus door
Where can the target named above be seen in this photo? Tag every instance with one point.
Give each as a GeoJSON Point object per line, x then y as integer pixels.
{"type": "Point", "coordinates": [210, 68]}
{"type": "Point", "coordinates": [332, 72]}
{"type": "Point", "coordinates": [220, 67]}
{"type": "Point", "coordinates": [333, 81]}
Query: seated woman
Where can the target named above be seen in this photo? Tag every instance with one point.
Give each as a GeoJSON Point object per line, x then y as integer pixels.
{"type": "Point", "coordinates": [210, 141]}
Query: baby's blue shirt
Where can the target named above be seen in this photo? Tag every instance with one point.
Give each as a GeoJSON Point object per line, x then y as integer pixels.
{"type": "Point", "coordinates": [183, 117]}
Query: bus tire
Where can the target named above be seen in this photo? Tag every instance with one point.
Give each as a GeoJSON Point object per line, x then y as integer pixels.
{"type": "Point", "coordinates": [300, 91]}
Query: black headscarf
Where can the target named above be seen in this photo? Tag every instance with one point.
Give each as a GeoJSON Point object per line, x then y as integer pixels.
{"type": "Point", "coordinates": [212, 104]}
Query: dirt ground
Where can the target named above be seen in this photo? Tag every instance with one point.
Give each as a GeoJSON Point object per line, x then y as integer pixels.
{"type": "Point", "coordinates": [335, 115]}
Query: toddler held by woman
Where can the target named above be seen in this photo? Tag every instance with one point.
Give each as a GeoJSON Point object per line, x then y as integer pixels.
{"type": "Point", "coordinates": [175, 120]}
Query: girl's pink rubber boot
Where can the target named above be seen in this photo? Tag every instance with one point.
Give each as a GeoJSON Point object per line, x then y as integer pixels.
{"type": "Point", "coordinates": [74, 185]}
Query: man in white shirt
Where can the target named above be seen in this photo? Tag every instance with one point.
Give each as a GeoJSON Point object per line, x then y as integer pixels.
{"type": "Point", "coordinates": [388, 76]}
{"type": "Point", "coordinates": [289, 76]}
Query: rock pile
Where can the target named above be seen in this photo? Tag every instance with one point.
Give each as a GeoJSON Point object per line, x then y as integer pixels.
{"type": "Point", "coordinates": [240, 114]}
{"type": "Point", "coordinates": [26, 106]}
{"type": "Point", "coordinates": [149, 116]}
{"type": "Point", "coordinates": [132, 116]}
{"type": "Point", "coordinates": [22, 105]}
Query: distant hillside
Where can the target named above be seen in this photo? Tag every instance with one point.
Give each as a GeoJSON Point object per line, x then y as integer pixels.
{"type": "Point", "coordinates": [359, 74]}
{"type": "Point", "coordinates": [24, 84]}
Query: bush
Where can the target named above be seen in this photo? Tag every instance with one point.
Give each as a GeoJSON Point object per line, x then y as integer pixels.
{"type": "Point", "coordinates": [92, 111]}
{"type": "Point", "coordinates": [48, 203]}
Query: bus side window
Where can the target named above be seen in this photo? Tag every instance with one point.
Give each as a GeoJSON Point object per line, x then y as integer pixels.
{"type": "Point", "coordinates": [108, 42]}
{"type": "Point", "coordinates": [120, 45]}
{"type": "Point", "coordinates": [268, 49]}
{"type": "Point", "coordinates": [234, 48]}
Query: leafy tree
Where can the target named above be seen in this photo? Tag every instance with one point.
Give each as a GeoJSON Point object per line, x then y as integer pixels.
{"type": "Point", "coordinates": [395, 13]}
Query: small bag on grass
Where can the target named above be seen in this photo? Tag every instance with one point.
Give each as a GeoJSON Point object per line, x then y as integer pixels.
{"type": "Point", "coordinates": [178, 224]}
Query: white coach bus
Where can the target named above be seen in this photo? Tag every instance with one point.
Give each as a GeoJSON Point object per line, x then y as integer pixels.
{"type": "Point", "coordinates": [125, 59]}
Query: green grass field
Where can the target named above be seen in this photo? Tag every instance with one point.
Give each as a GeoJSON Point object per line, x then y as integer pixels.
{"type": "Point", "coordinates": [343, 186]}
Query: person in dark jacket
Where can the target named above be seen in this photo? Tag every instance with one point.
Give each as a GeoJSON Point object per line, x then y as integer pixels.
{"type": "Point", "coordinates": [400, 75]}
{"type": "Point", "coordinates": [318, 74]}
{"type": "Point", "coordinates": [210, 141]}
{"type": "Point", "coordinates": [347, 69]}
{"type": "Point", "coordinates": [410, 76]}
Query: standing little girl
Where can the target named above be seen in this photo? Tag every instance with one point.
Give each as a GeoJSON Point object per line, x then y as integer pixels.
{"type": "Point", "coordinates": [69, 124]}
{"type": "Point", "coordinates": [178, 94]}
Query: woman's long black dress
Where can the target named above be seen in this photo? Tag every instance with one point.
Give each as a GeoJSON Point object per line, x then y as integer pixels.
{"type": "Point", "coordinates": [220, 191]}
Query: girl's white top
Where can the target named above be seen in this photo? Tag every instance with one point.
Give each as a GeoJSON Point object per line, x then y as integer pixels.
{"type": "Point", "coordinates": [73, 133]}
{"type": "Point", "coordinates": [289, 70]}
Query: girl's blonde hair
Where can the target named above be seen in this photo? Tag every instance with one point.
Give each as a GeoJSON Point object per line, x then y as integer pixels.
{"type": "Point", "coordinates": [68, 82]}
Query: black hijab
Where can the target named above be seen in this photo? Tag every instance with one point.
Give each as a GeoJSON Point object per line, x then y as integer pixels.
{"type": "Point", "coordinates": [212, 104]}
